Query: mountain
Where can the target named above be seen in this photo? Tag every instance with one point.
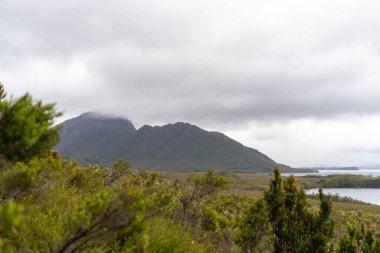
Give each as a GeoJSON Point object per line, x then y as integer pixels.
{"type": "Point", "coordinates": [96, 138]}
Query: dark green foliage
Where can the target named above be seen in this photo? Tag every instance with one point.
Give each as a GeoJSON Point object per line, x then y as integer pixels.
{"type": "Point", "coordinates": [26, 128]}
{"type": "Point", "coordinates": [350, 181]}
{"type": "Point", "coordinates": [295, 228]}
{"type": "Point", "coordinates": [340, 181]}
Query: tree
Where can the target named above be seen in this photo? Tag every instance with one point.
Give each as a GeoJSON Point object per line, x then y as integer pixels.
{"type": "Point", "coordinates": [27, 128]}
{"type": "Point", "coordinates": [295, 228]}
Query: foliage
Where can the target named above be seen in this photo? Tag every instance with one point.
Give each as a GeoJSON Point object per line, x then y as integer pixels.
{"type": "Point", "coordinates": [253, 226]}
{"type": "Point", "coordinates": [295, 228]}
{"type": "Point", "coordinates": [358, 239]}
{"type": "Point", "coordinates": [100, 220]}
{"type": "Point", "coordinates": [11, 218]}
{"type": "Point", "coordinates": [52, 205]}
{"type": "Point", "coordinates": [27, 128]}
{"type": "Point", "coordinates": [200, 186]}
{"type": "Point", "coordinates": [21, 178]}
{"type": "Point", "coordinates": [69, 208]}
{"type": "Point", "coordinates": [340, 181]}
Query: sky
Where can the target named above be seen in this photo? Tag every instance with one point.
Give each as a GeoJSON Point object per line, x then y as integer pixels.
{"type": "Point", "coordinates": [297, 80]}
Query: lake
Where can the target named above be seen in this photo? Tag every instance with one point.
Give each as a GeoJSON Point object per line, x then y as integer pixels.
{"type": "Point", "coordinates": [366, 195]}
{"type": "Point", "coordinates": [365, 172]}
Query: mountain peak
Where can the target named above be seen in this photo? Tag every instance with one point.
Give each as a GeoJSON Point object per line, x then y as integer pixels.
{"type": "Point", "coordinates": [100, 115]}
{"type": "Point", "coordinates": [95, 137]}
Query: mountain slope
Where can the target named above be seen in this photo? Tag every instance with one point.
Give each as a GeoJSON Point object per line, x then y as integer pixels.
{"type": "Point", "coordinates": [95, 138]}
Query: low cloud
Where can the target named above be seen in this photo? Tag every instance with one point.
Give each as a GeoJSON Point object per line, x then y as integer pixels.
{"type": "Point", "coordinates": [220, 64]}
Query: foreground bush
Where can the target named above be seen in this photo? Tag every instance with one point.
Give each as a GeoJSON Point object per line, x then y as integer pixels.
{"type": "Point", "coordinates": [27, 128]}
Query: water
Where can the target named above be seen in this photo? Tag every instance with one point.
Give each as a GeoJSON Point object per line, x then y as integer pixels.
{"type": "Point", "coordinates": [365, 172]}
{"type": "Point", "coordinates": [366, 195]}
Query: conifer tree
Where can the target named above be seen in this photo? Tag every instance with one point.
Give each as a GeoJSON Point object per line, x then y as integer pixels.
{"type": "Point", "coordinates": [295, 228]}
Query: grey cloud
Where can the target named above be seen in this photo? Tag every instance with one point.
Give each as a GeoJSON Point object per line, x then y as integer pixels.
{"type": "Point", "coordinates": [206, 62]}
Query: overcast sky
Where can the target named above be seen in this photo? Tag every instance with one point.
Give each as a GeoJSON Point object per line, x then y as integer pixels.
{"type": "Point", "coordinates": [297, 80]}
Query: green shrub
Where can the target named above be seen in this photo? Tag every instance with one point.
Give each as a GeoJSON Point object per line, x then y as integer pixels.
{"type": "Point", "coordinates": [27, 128]}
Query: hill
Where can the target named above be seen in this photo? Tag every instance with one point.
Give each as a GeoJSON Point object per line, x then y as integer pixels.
{"type": "Point", "coordinates": [96, 138]}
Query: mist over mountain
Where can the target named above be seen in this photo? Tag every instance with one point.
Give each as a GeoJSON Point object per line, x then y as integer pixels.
{"type": "Point", "coordinates": [97, 138]}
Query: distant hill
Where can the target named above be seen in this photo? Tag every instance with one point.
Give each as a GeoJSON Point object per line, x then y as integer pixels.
{"type": "Point", "coordinates": [96, 138]}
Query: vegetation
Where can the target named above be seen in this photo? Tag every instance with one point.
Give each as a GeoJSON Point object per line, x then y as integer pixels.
{"type": "Point", "coordinates": [26, 128]}
{"type": "Point", "coordinates": [350, 181]}
{"type": "Point", "coordinates": [48, 204]}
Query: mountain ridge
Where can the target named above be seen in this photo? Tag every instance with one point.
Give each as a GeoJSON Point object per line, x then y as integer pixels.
{"type": "Point", "coordinates": [99, 138]}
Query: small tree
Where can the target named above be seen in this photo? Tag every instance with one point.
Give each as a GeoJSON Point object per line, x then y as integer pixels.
{"type": "Point", "coordinates": [27, 128]}
{"type": "Point", "coordinates": [295, 228]}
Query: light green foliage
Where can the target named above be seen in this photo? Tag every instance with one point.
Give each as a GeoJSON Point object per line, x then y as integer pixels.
{"type": "Point", "coordinates": [21, 178]}
{"type": "Point", "coordinates": [119, 169]}
{"type": "Point", "coordinates": [26, 128]}
{"type": "Point", "coordinates": [74, 209]}
{"type": "Point", "coordinates": [199, 186]}
{"type": "Point", "coordinates": [68, 208]}
{"type": "Point", "coordinates": [208, 183]}
{"type": "Point", "coordinates": [358, 239]}
{"type": "Point", "coordinates": [159, 236]}
{"type": "Point", "coordinates": [253, 226]}
{"type": "Point", "coordinates": [11, 219]}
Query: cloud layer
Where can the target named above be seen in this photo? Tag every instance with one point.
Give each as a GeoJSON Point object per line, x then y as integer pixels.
{"type": "Point", "coordinates": [221, 64]}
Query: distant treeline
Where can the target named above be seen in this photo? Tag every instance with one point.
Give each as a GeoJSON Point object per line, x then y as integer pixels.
{"type": "Point", "coordinates": [341, 181]}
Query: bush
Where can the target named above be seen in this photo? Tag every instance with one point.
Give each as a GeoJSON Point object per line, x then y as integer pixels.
{"type": "Point", "coordinates": [27, 128]}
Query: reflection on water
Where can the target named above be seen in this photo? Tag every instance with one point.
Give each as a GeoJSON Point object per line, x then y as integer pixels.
{"type": "Point", "coordinates": [366, 195]}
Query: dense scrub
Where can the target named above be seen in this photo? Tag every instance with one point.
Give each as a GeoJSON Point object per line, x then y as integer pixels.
{"type": "Point", "coordinates": [53, 205]}
{"type": "Point", "coordinates": [48, 204]}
